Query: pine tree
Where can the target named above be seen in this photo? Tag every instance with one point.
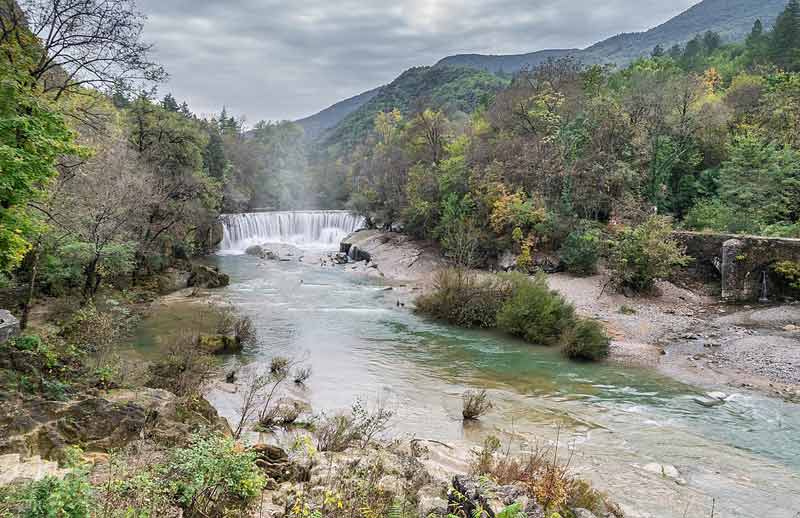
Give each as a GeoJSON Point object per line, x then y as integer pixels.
{"type": "Point", "coordinates": [658, 51]}
{"type": "Point", "coordinates": [711, 41]}
{"type": "Point", "coordinates": [169, 103]}
{"type": "Point", "coordinates": [785, 38]}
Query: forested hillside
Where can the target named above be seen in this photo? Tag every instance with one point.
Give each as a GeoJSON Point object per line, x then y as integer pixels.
{"type": "Point", "coordinates": [316, 125]}
{"type": "Point", "coordinates": [706, 133]}
{"type": "Point", "coordinates": [450, 89]}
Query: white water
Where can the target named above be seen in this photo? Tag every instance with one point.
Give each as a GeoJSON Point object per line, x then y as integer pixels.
{"type": "Point", "coordinates": [316, 229]}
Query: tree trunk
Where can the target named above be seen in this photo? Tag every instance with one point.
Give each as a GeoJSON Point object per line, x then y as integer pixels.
{"type": "Point", "coordinates": [26, 308]}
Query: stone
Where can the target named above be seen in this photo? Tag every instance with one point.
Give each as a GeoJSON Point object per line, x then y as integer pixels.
{"type": "Point", "coordinates": [207, 277]}
{"type": "Point", "coordinates": [583, 513]}
{"type": "Point", "coordinates": [219, 344]}
{"type": "Point", "coordinates": [255, 250]}
{"type": "Point", "coordinates": [718, 395]}
{"type": "Point", "coordinates": [708, 403]}
{"type": "Point", "coordinates": [274, 461]}
{"type": "Point", "coordinates": [9, 326]}
{"type": "Point", "coordinates": [791, 328]}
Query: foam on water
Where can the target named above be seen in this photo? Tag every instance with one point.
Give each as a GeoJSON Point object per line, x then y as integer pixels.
{"type": "Point", "coordinates": [314, 229]}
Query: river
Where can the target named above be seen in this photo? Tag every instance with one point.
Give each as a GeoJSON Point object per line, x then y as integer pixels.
{"type": "Point", "coordinates": [742, 458]}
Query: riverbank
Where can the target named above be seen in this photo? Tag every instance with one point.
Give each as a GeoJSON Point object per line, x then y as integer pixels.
{"type": "Point", "coordinates": [691, 337]}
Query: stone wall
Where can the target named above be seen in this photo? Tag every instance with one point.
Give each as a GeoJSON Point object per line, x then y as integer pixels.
{"type": "Point", "coordinates": [9, 325]}
{"type": "Point", "coordinates": [743, 265]}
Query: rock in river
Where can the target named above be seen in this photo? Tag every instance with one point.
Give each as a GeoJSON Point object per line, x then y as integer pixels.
{"type": "Point", "coordinates": [207, 277]}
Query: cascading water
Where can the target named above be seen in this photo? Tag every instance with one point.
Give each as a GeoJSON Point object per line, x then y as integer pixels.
{"type": "Point", "coordinates": [304, 229]}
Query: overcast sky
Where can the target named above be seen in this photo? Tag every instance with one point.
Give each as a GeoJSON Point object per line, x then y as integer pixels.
{"type": "Point", "coordinates": [285, 59]}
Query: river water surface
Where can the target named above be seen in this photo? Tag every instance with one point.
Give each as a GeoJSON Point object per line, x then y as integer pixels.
{"type": "Point", "coordinates": [742, 458]}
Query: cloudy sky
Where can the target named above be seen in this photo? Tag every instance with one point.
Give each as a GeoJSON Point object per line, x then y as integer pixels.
{"type": "Point", "coordinates": [285, 59]}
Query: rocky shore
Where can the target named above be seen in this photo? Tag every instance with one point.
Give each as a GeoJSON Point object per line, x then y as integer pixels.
{"type": "Point", "coordinates": [690, 336]}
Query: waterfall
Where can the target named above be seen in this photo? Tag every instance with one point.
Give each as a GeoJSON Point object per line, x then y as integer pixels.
{"type": "Point", "coordinates": [304, 229]}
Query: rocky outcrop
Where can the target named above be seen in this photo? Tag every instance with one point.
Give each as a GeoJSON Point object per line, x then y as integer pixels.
{"type": "Point", "coordinates": [392, 255]}
{"type": "Point", "coordinates": [9, 325]}
{"type": "Point", "coordinates": [469, 494]}
{"type": "Point", "coordinates": [101, 423]}
{"type": "Point", "coordinates": [210, 277]}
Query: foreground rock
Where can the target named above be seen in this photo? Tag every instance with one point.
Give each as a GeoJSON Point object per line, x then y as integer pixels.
{"type": "Point", "coordinates": [9, 325]}
{"type": "Point", "coordinates": [392, 255]}
{"type": "Point", "coordinates": [100, 423]}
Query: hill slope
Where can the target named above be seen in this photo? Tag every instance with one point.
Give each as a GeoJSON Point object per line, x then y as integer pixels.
{"type": "Point", "coordinates": [732, 19]}
{"type": "Point", "coordinates": [316, 125]}
{"type": "Point", "coordinates": [448, 88]}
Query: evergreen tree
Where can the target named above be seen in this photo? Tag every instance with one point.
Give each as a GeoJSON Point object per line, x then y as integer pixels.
{"type": "Point", "coordinates": [675, 52]}
{"type": "Point", "coordinates": [169, 103]}
{"type": "Point", "coordinates": [658, 51]}
{"type": "Point", "coordinates": [785, 38]}
{"type": "Point", "coordinates": [214, 154]}
{"type": "Point", "coordinates": [711, 41]}
{"type": "Point", "coordinates": [755, 34]}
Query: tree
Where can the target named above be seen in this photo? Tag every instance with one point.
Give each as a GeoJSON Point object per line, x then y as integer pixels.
{"type": "Point", "coordinates": [711, 41]}
{"type": "Point", "coordinates": [658, 51]}
{"type": "Point", "coordinates": [99, 209]}
{"type": "Point", "coordinates": [32, 139]}
{"type": "Point", "coordinates": [785, 38]}
{"type": "Point", "coordinates": [170, 104]}
{"type": "Point", "coordinates": [88, 42]}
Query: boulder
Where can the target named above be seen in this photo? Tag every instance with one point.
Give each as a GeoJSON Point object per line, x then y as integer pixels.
{"type": "Point", "coordinates": [9, 326]}
{"type": "Point", "coordinates": [274, 461]}
{"type": "Point", "coordinates": [469, 494]}
{"type": "Point", "coordinates": [219, 344]}
{"type": "Point", "coordinates": [207, 277]}
{"type": "Point", "coordinates": [583, 513]}
{"type": "Point", "coordinates": [255, 250]}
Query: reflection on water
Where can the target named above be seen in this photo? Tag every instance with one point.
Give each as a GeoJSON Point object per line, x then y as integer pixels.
{"type": "Point", "coordinates": [745, 453]}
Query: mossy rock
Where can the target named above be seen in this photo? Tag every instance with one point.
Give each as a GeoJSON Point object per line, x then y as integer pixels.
{"type": "Point", "coordinates": [219, 344]}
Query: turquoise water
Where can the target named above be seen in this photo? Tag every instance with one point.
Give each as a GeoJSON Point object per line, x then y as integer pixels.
{"type": "Point", "coordinates": [743, 456]}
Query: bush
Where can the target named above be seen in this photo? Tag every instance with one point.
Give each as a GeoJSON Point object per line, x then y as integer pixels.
{"type": "Point", "coordinates": [475, 404]}
{"type": "Point", "coordinates": [586, 340]}
{"type": "Point", "coordinates": [642, 255]}
{"type": "Point", "coordinates": [534, 312]}
{"type": "Point", "coordinates": [581, 250]}
{"type": "Point", "coordinates": [213, 477]}
{"type": "Point", "coordinates": [460, 298]}
{"type": "Point", "coordinates": [341, 431]}
{"type": "Point", "coordinates": [69, 497]}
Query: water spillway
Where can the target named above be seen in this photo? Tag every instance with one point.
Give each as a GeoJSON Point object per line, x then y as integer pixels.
{"type": "Point", "coordinates": [305, 229]}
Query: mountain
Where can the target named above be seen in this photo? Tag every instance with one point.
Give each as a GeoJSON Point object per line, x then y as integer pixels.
{"type": "Point", "coordinates": [732, 19]}
{"type": "Point", "coordinates": [452, 89]}
{"type": "Point", "coordinates": [505, 63]}
{"type": "Point", "coordinates": [316, 125]}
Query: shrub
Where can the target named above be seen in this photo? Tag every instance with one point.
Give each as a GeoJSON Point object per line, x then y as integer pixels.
{"type": "Point", "coordinates": [460, 298]}
{"type": "Point", "coordinates": [642, 255]}
{"type": "Point", "coordinates": [586, 340]}
{"type": "Point", "coordinates": [341, 431]}
{"type": "Point", "coordinates": [534, 312]}
{"type": "Point", "coordinates": [279, 366]}
{"type": "Point", "coordinates": [581, 251]}
{"type": "Point", "coordinates": [69, 497]}
{"type": "Point", "coordinates": [790, 272]}
{"type": "Point", "coordinates": [183, 370]}
{"type": "Point", "coordinates": [475, 404]}
{"type": "Point", "coordinates": [213, 477]}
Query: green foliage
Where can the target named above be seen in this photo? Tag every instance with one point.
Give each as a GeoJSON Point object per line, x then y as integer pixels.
{"type": "Point", "coordinates": [643, 254]}
{"type": "Point", "coordinates": [51, 497]}
{"type": "Point", "coordinates": [534, 311]}
{"type": "Point", "coordinates": [586, 340]}
{"type": "Point", "coordinates": [213, 475]}
{"type": "Point", "coordinates": [790, 271]}
{"type": "Point", "coordinates": [32, 138]}
{"type": "Point", "coordinates": [581, 251]}
{"type": "Point", "coordinates": [461, 298]}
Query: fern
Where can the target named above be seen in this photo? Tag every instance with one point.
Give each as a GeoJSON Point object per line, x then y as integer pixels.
{"type": "Point", "coordinates": [512, 511]}
{"type": "Point", "coordinates": [395, 510]}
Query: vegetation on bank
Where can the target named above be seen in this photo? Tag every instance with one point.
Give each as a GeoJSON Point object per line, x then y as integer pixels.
{"type": "Point", "coordinates": [515, 303]}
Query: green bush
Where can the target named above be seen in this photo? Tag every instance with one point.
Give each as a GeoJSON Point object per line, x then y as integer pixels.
{"type": "Point", "coordinates": [581, 250]}
{"type": "Point", "coordinates": [69, 497]}
{"type": "Point", "coordinates": [213, 476]}
{"type": "Point", "coordinates": [460, 298]}
{"type": "Point", "coordinates": [534, 311]}
{"type": "Point", "coordinates": [586, 340]}
{"type": "Point", "coordinates": [644, 254]}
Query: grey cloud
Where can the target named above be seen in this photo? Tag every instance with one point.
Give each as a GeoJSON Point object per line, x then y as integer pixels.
{"type": "Point", "coordinates": [270, 59]}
